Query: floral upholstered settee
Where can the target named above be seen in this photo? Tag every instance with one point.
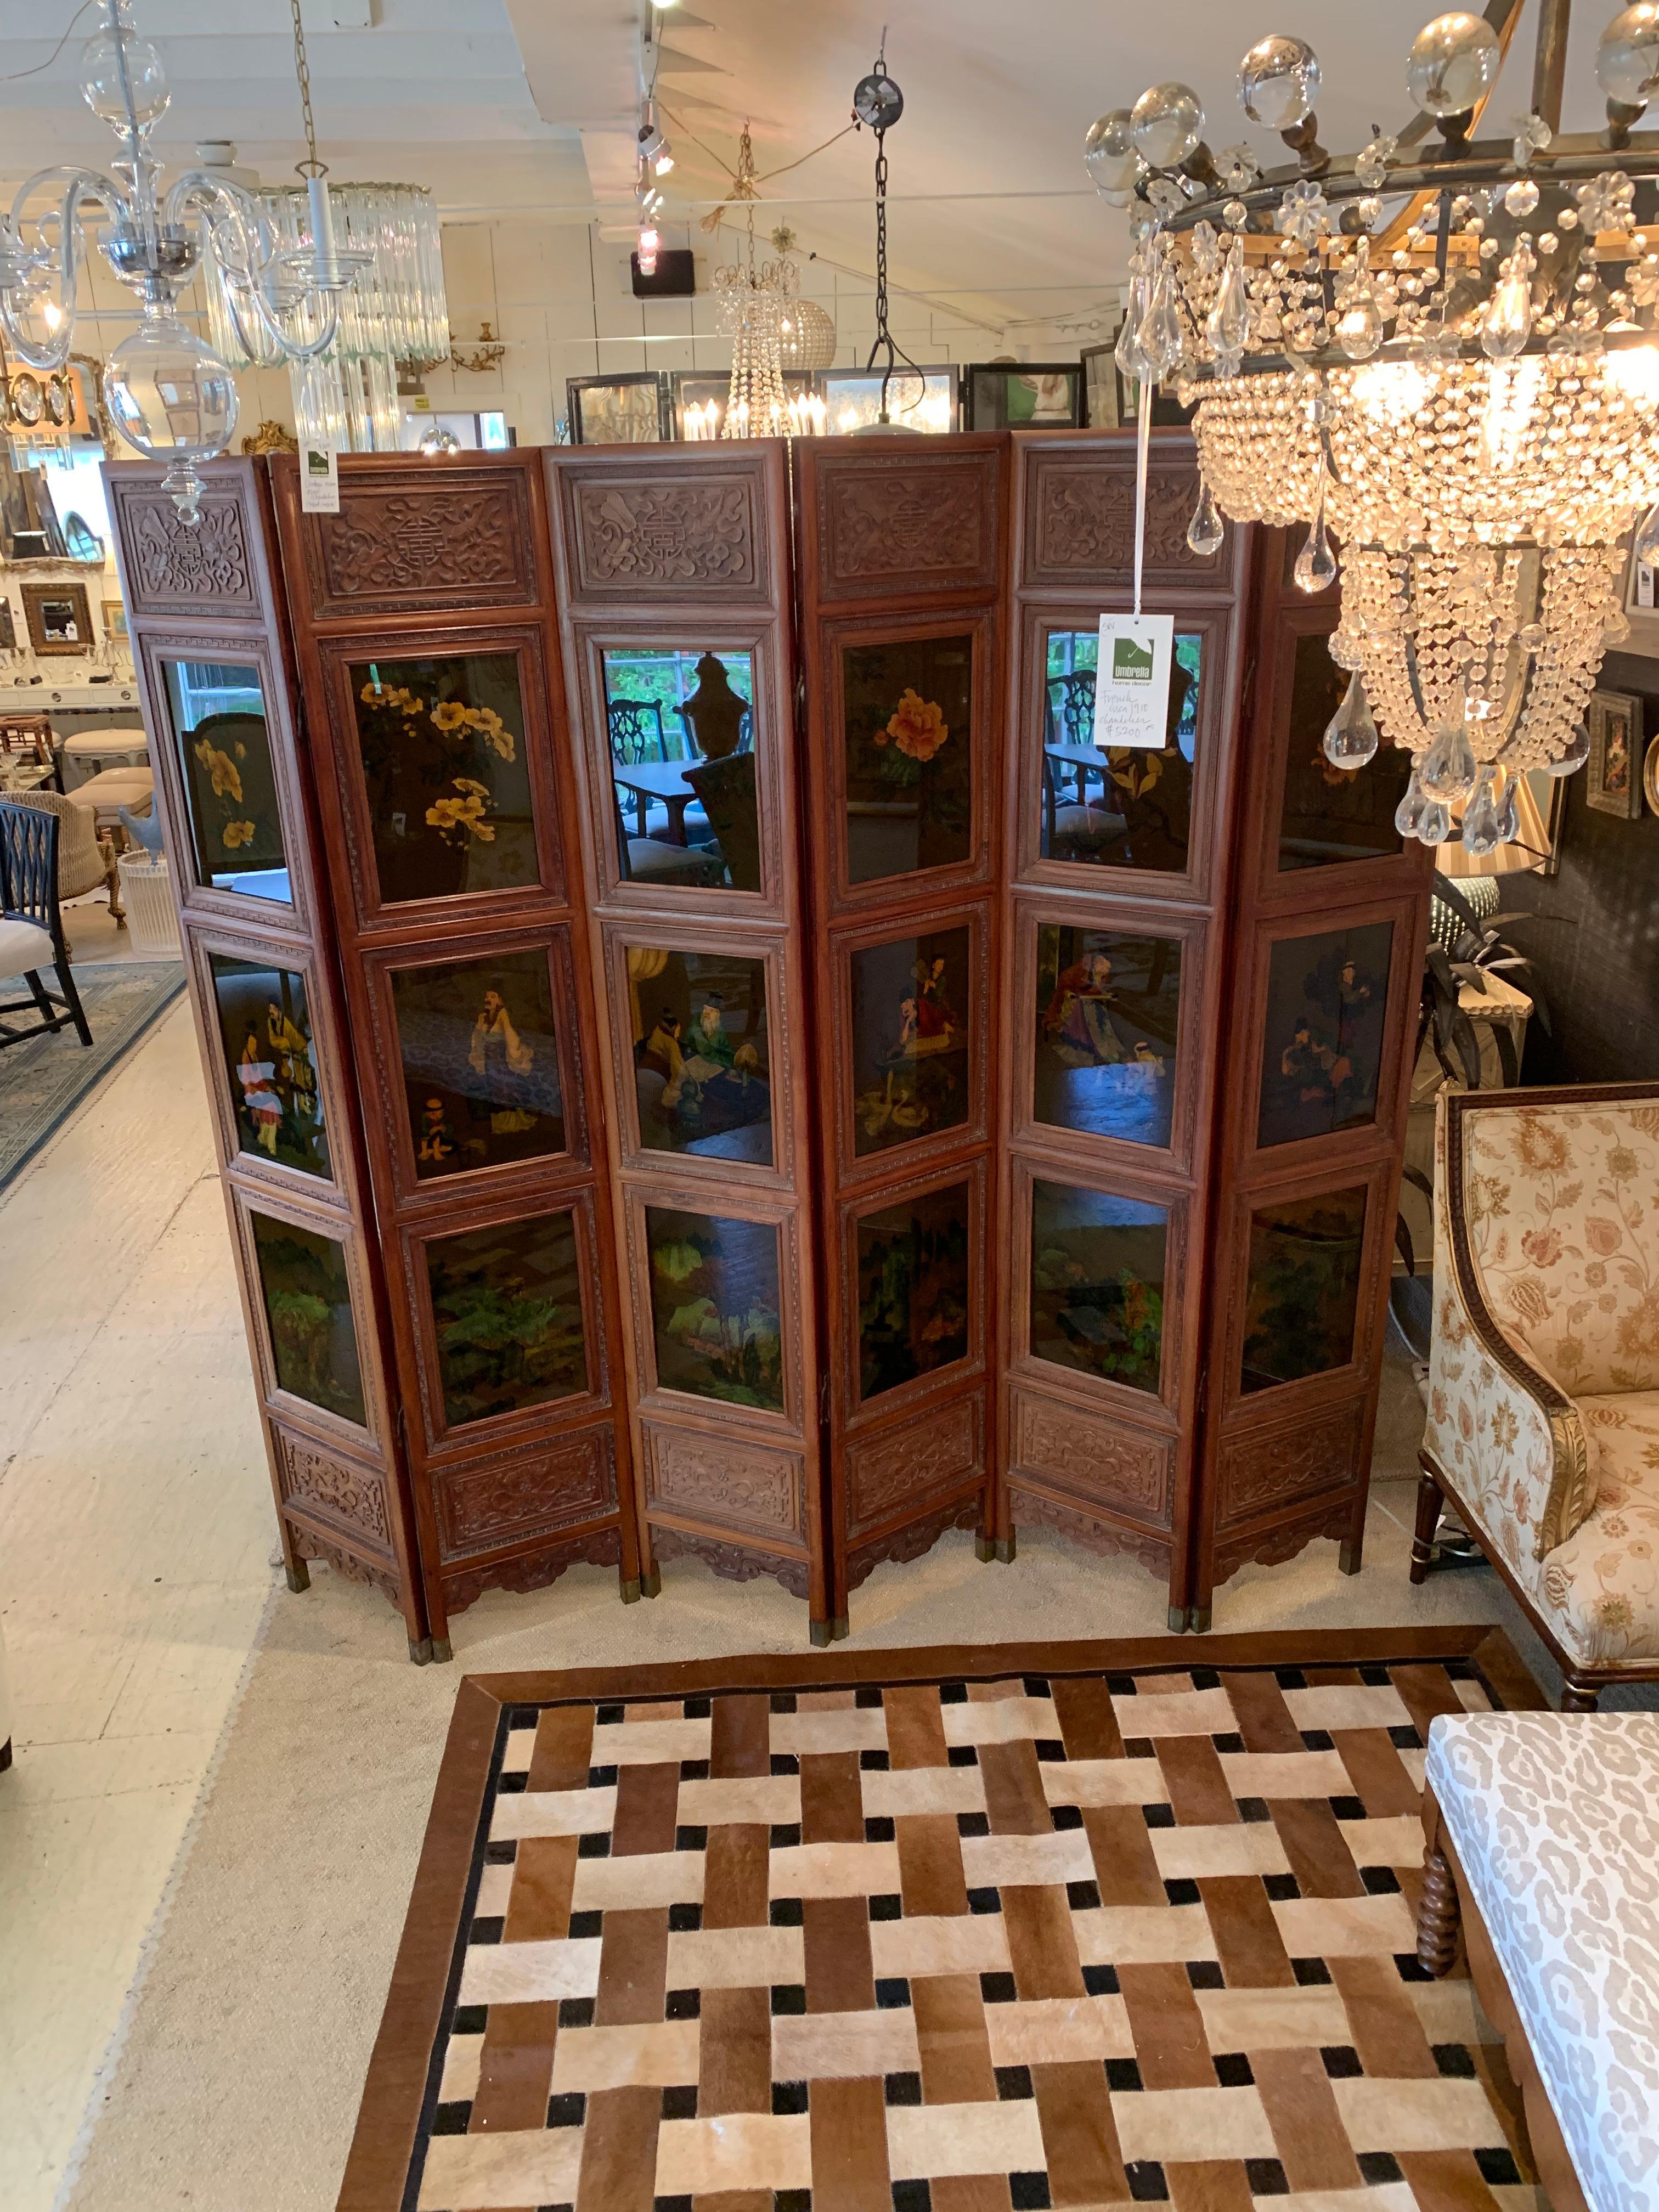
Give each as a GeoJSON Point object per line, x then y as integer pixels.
{"type": "Point", "coordinates": [1543, 1426]}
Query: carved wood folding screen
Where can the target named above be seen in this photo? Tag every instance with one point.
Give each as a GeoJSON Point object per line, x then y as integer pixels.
{"type": "Point", "coordinates": [708, 1059]}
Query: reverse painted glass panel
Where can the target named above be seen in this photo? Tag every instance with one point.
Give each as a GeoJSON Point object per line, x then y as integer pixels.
{"type": "Point", "coordinates": [1303, 1291]}
{"type": "Point", "coordinates": [217, 710]}
{"type": "Point", "coordinates": [1332, 813]}
{"type": "Point", "coordinates": [1322, 1051]}
{"type": "Point", "coordinates": [911, 1072]}
{"type": "Point", "coordinates": [908, 709]}
{"type": "Point", "coordinates": [681, 729]}
{"type": "Point", "coordinates": [480, 1062]}
{"type": "Point", "coordinates": [702, 1064]}
{"type": "Point", "coordinates": [913, 1263]}
{"type": "Point", "coordinates": [442, 741]}
{"type": "Point", "coordinates": [1123, 808]}
{"type": "Point", "coordinates": [714, 1307]}
{"type": "Point", "coordinates": [265, 1032]}
{"type": "Point", "coordinates": [1108, 1019]}
{"type": "Point", "coordinates": [506, 1309]}
{"type": "Point", "coordinates": [1097, 1265]}
{"type": "Point", "coordinates": [308, 1301]}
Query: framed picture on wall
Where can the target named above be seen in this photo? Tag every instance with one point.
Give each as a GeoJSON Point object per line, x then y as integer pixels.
{"type": "Point", "coordinates": [1022, 395]}
{"type": "Point", "coordinates": [1613, 773]}
{"type": "Point", "coordinates": [616, 411]}
{"type": "Point", "coordinates": [115, 618]}
{"type": "Point", "coordinates": [699, 397]}
{"type": "Point", "coordinates": [59, 617]}
{"type": "Point", "coordinates": [1100, 385]}
{"type": "Point", "coordinates": [923, 399]}
{"type": "Point", "coordinates": [8, 626]}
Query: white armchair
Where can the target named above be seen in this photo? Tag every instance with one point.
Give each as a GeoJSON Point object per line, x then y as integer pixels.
{"type": "Point", "coordinates": [1543, 1427]}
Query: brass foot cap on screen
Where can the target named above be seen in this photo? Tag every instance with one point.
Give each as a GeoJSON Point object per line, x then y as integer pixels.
{"type": "Point", "coordinates": [420, 1653]}
{"type": "Point", "coordinates": [629, 1591]}
{"type": "Point", "coordinates": [1178, 1621]}
{"type": "Point", "coordinates": [1006, 1549]}
{"type": "Point", "coordinates": [985, 1547]}
{"type": "Point", "coordinates": [822, 1632]}
{"type": "Point", "coordinates": [299, 1577]}
{"type": "Point", "coordinates": [441, 1654]}
{"type": "Point", "coordinates": [1198, 1619]}
{"type": "Point", "coordinates": [651, 1584]}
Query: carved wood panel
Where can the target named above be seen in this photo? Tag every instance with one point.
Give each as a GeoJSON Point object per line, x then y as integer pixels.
{"type": "Point", "coordinates": [175, 570]}
{"type": "Point", "coordinates": [725, 1483]}
{"type": "Point", "coordinates": [1266, 1468]}
{"type": "Point", "coordinates": [333, 1489]}
{"type": "Point", "coordinates": [882, 526]}
{"type": "Point", "coordinates": [657, 533]}
{"type": "Point", "coordinates": [1127, 1469]}
{"type": "Point", "coordinates": [415, 539]}
{"type": "Point", "coordinates": [1079, 520]}
{"type": "Point", "coordinates": [1071, 1519]}
{"type": "Point", "coordinates": [896, 1471]}
{"type": "Point", "coordinates": [525, 1494]}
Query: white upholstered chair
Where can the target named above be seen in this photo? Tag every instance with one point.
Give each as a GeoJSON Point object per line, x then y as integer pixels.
{"type": "Point", "coordinates": [1543, 1427]}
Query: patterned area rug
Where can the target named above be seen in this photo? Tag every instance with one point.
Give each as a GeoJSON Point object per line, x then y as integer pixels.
{"type": "Point", "coordinates": [986, 1930]}
{"type": "Point", "coordinates": [42, 1083]}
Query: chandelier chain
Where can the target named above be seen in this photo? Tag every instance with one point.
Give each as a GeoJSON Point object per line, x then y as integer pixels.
{"type": "Point", "coordinates": [311, 167]}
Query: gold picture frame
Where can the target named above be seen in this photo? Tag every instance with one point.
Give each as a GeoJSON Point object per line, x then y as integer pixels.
{"type": "Point", "coordinates": [59, 617]}
{"type": "Point", "coordinates": [1613, 773]}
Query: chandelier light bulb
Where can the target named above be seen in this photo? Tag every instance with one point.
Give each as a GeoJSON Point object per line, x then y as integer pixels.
{"type": "Point", "coordinates": [1507, 324]}
{"type": "Point", "coordinates": [1279, 81]}
{"type": "Point", "coordinates": [1350, 738]}
{"type": "Point", "coordinates": [1166, 123]}
{"type": "Point", "coordinates": [1360, 325]}
{"type": "Point", "coordinates": [1627, 59]}
{"type": "Point", "coordinates": [1108, 152]}
{"type": "Point", "coordinates": [1453, 64]}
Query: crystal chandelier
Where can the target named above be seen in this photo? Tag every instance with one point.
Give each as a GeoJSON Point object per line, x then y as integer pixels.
{"type": "Point", "coordinates": [171, 396]}
{"type": "Point", "coordinates": [396, 315]}
{"type": "Point", "coordinates": [753, 300]}
{"type": "Point", "coordinates": [1442, 356]}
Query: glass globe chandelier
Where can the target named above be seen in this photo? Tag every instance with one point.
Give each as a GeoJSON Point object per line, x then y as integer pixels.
{"type": "Point", "coordinates": [171, 396]}
{"type": "Point", "coordinates": [1441, 354]}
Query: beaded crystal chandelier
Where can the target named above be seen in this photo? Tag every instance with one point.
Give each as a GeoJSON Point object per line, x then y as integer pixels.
{"type": "Point", "coordinates": [1443, 355]}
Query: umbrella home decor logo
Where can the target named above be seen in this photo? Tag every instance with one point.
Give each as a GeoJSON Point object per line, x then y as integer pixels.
{"type": "Point", "coordinates": [1131, 663]}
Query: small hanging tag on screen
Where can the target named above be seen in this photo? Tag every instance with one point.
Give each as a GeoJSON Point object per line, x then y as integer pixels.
{"type": "Point", "coordinates": [320, 480]}
{"type": "Point", "coordinates": [1132, 683]}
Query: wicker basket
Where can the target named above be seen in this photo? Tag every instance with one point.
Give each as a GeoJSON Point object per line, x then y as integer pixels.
{"type": "Point", "coordinates": [147, 893]}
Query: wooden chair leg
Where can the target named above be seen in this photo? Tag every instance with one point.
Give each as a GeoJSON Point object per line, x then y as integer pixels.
{"type": "Point", "coordinates": [1437, 1915]}
{"type": "Point", "coordinates": [78, 1011]}
{"type": "Point", "coordinates": [1431, 1501]}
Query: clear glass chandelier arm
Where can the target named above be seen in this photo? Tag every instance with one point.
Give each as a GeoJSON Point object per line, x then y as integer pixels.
{"type": "Point", "coordinates": [21, 264]}
{"type": "Point", "coordinates": [245, 246]}
{"type": "Point", "coordinates": [298, 349]}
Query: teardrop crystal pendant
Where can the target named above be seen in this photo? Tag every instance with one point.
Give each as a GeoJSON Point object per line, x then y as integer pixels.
{"type": "Point", "coordinates": [1160, 335]}
{"type": "Point", "coordinates": [1578, 752]}
{"type": "Point", "coordinates": [1435, 826]}
{"type": "Point", "coordinates": [1206, 531]}
{"type": "Point", "coordinates": [1316, 564]}
{"type": "Point", "coordinates": [1129, 353]}
{"type": "Point", "coordinates": [1351, 738]}
{"type": "Point", "coordinates": [1415, 810]}
{"type": "Point", "coordinates": [1480, 830]}
{"type": "Point", "coordinates": [1228, 323]}
{"type": "Point", "coordinates": [1509, 814]}
{"type": "Point", "coordinates": [1447, 770]}
{"type": "Point", "coordinates": [1647, 539]}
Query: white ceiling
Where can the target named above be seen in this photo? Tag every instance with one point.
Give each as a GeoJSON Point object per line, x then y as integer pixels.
{"type": "Point", "coordinates": [529, 104]}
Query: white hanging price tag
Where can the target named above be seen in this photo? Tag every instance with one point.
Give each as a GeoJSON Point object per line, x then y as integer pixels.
{"type": "Point", "coordinates": [320, 480]}
{"type": "Point", "coordinates": [1132, 683]}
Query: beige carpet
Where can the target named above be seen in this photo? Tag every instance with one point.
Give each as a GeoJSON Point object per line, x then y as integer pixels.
{"type": "Point", "coordinates": [236, 2087]}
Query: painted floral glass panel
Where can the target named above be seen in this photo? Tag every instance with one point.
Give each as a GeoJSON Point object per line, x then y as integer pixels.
{"type": "Point", "coordinates": [480, 1054]}
{"type": "Point", "coordinates": [1097, 1265]}
{"type": "Point", "coordinates": [1108, 1022]}
{"type": "Point", "coordinates": [913, 1263]}
{"type": "Point", "coordinates": [702, 1062]}
{"type": "Point", "coordinates": [908, 709]}
{"type": "Point", "coordinates": [307, 1300]}
{"type": "Point", "coordinates": [507, 1309]}
{"type": "Point", "coordinates": [1303, 1290]}
{"type": "Point", "coordinates": [681, 726]}
{"type": "Point", "coordinates": [1331, 814]}
{"type": "Point", "coordinates": [1321, 1057]}
{"type": "Point", "coordinates": [714, 1307]}
{"type": "Point", "coordinates": [912, 1071]}
{"type": "Point", "coordinates": [265, 1033]}
{"type": "Point", "coordinates": [442, 741]}
{"type": "Point", "coordinates": [217, 710]}
{"type": "Point", "coordinates": [1123, 808]}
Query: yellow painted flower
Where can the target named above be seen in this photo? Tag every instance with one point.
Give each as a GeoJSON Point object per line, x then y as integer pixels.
{"type": "Point", "coordinates": [470, 783]}
{"type": "Point", "coordinates": [241, 749]}
{"type": "Point", "coordinates": [227, 783]}
{"type": "Point", "coordinates": [456, 819]}
{"type": "Point", "coordinates": [448, 715]}
{"type": "Point", "coordinates": [493, 730]}
{"type": "Point", "coordinates": [918, 726]}
{"type": "Point", "coordinates": [238, 833]}
{"type": "Point", "coordinates": [373, 694]}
